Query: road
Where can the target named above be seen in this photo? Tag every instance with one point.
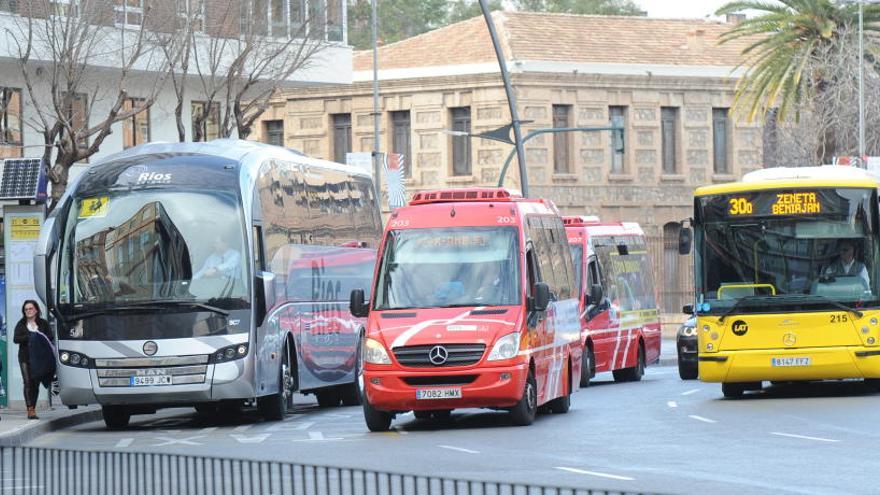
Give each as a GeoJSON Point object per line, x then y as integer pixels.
{"type": "Point", "coordinates": [660, 435]}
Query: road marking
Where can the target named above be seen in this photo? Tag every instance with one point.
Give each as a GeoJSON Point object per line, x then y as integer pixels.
{"type": "Point", "coordinates": [124, 442]}
{"type": "Point", "coordinates": [595, 473]}
{"type": "Point", "coordinates": [400, 430]}
{"type": "Point", "coordinates": [242, 428]}
{"type": "Point", "coordinates": [246, 439]}
{"type": "Point", "coordinates": [791, 435]}
{"type": "Point", "coordinates": [305, 425]}
{"type": "Point", "coordinates": [691, 391]}
{"type": "Point", "coordinates": [458, 449]}
{"type": "Point", "coordinates": [181, 441]}
{"type": "Point", "coordinates": [700, 418]}
{"type": "Point", "coordinates": [316, 435]}
{"type": "Point", "coordinates": [672, 403]}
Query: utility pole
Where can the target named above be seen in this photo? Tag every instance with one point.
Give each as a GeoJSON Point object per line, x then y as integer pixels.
{"type": "Point", "coordinates": [377, 177]}
{"type": "Point", "coordinates": [861, 87]}
{"type": "Point", "coordinates": [511, 101]}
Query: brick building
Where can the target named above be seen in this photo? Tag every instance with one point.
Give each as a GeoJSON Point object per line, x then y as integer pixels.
{"type": "Point", "coordinates": [667, 81]}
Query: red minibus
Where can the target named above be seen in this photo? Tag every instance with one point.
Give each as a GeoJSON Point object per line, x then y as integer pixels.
{"type": "Point", "coordinates": [473, 306]}
{"type": "Point", "coordinates": [618, 302]}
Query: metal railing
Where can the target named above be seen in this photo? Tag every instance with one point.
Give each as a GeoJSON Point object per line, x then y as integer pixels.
{"type": "Point", "coordinates": [34, 470]}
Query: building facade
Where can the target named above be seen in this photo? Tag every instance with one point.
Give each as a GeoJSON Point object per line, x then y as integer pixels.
{"type": "Point", "coordinates": [668, 83]}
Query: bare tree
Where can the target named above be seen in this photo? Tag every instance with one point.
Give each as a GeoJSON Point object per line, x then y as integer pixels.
{"type": "Point", "coordinates": [78, 61]}
{"type": "Point", "coordinates": [251, 53]}
{"type": "Point", "coordinates": [828, 115]}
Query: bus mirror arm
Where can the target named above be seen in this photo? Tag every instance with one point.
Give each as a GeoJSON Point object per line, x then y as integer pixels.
{"type": "Point", "coordinates": [358, 307]}
{"type": "Point", "coordinates": [264, 295]}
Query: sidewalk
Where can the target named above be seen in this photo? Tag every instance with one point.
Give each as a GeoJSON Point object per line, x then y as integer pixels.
{"type": "Point", "coordinates": [16, 429]}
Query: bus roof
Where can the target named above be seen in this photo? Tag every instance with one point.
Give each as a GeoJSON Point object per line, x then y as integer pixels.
{"type": "Point", "coordinates": [794, 178]}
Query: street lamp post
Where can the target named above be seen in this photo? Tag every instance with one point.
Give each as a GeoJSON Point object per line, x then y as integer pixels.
{"type": "Point", "coordinates": [861, 84]}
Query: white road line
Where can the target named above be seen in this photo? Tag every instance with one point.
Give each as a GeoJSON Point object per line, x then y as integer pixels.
{"type": "Point", "coordinates": [253, 439]}
{"type": "Point", "coordinates": [124, 442]}
{"type": "Point", "coordinates": [242, 428]}
{"type": "Point", "coordinates": [791, 435]}
{"type": "Point", "coordinates": [458, 449]}
{"type": "Point", "coordinates": [316, 435]}
{"type": "Point", "coordinates": [595, 473]}
{"type": "Point", "coordinates": [691, 391]}
{"type": "Point", "coordinates": [672, 403]}
{"type": "Point", "coordinates": [700, 418]}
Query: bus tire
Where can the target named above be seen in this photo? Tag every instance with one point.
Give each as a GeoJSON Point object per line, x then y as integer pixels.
{"type": "Point", "coordinates": [588, 367]}
{"type": "Point", "coordinates": [635, 373]}
{"type": "Point", "coordinates": [687, 371]}
{"type": "Point", "coordinates": [561, 405]}
{"type": "Point", "coordinates": [274, 407]}
{"type": "Point", "coordinates": [732, 390]}
{"type": "Point", "coordinates": [376, 420]}
{"type": "Point", "coordinates": [873, 384]}
{"type": "Point", "coordinates": [523, 413]}
{"type": "Point", "coordinates": [115, 417]}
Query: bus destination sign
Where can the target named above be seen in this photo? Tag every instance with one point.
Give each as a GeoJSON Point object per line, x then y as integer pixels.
{"type": "Point", "coordinates": [778, 203]}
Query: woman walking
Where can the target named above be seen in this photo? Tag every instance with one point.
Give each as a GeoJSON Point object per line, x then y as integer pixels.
{"type": "Point", "coordinates": [27, 327]}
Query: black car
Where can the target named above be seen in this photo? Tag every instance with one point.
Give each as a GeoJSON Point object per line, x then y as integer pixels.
{"type": "Point", "coordinates": [686, 343]}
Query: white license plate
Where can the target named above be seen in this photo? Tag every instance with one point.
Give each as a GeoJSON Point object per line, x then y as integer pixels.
{"type": "Point", "coordinates": [146, 381]}
{"type": "Point", "coordinates": [791, 361]}
{"type": "Point", "coordinates": [438, 393]}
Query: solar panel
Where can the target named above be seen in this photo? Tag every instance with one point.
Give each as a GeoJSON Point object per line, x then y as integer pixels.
{"type": "Point", "coordinates": [20, 178]}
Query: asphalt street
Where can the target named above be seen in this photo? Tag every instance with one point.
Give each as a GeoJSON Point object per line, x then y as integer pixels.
{"type": "Point", "coordinates": [659, 435]}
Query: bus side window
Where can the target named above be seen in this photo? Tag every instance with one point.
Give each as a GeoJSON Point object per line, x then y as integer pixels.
{"type": "Point", "coordinates": [594, 278]}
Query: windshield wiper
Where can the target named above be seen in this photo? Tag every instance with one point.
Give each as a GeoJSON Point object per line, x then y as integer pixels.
{"type": "Point", "coordinates": [737, 305]}
{"type": "Point", "coordinates": [825, 299]}
{"type": "Point", "coordinates": [191, 304]}
{"type": "Point", "coordinates": [112, 309]}
{"type": "Point", "coordinates": [150, 305]}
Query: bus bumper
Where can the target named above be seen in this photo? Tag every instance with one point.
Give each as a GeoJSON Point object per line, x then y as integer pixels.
{"type": "Point", "coordinates": [230, 380]}
{"type": "Point", "coordinates": [496, 387]}
{"type": "Point", "coordinates": [824, 363]}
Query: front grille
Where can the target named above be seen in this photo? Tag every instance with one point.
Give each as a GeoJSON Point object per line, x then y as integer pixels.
{"type": "Point", "coordinates": [417, 356]}
{"type": "Point", "coordinates": [183, 370]}
{"type": "Point", "coordinates": [439, 380]}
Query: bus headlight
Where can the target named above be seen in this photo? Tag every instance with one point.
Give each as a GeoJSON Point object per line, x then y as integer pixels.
{"type": "Point", "coordinates": [229, 353]}
{"type": "Point", "coordinates": [505, 348]}
{"type": "Point", "coordinates": [375, 353]}
{"type": "Point", "coordinates": [73, 359]}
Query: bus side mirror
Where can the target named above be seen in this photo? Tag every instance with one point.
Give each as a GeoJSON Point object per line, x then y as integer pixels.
{"type": "Point", "coordinates": [688, 309]}
{"type": "Point", "coordinates": [684, 240]}
{"type": "Point", "coordinates": [356, 304]}
{"type": "Point", "coordinates": [596, 294]}
{"type": "Point", "coordinates": [264, 295]}
{"type": "Point", "coordinates": [542, 297]}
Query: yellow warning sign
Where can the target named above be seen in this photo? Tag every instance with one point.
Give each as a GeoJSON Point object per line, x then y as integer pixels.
{"type": "Point", "coordinates": [25, 228]}
{"type": "Point", "coordinates": [94, 207]}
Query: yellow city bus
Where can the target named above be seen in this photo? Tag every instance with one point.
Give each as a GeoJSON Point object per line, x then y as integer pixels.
{"type": "Point", "coordinates": [787, 277]}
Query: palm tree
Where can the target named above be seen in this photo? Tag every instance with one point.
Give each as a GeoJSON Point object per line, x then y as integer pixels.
{"type": "Point", "coordinates": [783, 39]}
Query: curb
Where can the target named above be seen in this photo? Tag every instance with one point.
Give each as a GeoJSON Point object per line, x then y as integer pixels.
{"type": "Point", "coordinates": [27, 432]}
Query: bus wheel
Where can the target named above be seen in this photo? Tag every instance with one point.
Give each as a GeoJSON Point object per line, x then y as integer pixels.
{"type": "Point", "coordinates": [274, 407]}
{"type": "Point", "coordinates": [733, 390]}
{"type": "Point", "coordinates": [351, 393]}
{"type": "Point", "coordinates": [635, 373]}
{"type": "Point", "coordinates": [873, 384]}
{"type": "Point", "coordinates": [561, 405]}
{"type": "Point", "coordinates": [376, 420]}
{"type": "Point", "coordinates": [588, 368]}
{"type": "Point", "coordinates": [523, 413]}
{"type": "Point", "coordinates": [116, 417]}
{"type": "Point", "coordinates": [687, 371]}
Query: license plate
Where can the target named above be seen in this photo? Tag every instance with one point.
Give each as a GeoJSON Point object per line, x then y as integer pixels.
{"type": "Point", "coordinates": [146, 381]}
{"type": "Point", "coordinates": [438, 393]}
{"type": "Point", "coordinates": [792, 361]}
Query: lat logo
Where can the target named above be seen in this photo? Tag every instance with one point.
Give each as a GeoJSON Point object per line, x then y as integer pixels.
{"type": "Point", "coordinates": [740, 328]}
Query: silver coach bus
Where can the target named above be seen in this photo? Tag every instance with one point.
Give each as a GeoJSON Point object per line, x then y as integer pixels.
{"type": "Point", "coordinates": [210, 275]}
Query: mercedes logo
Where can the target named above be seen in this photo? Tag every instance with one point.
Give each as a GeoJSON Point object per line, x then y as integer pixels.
{"type": "Point", "coordinates": [789, 339]}
{"type": "Point", "coordinates": [438, 355]}
{"type": "Point", "coordinates": [150, 348]}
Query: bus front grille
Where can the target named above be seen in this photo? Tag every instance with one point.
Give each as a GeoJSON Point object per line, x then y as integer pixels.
{"type": "Point", "coordinates": [172, 370]}
{"type": "Point", "coordinates": [419, 356]}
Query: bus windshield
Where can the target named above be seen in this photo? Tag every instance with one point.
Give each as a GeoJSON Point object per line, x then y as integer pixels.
{"type": "Point", "coordinates": [449, 267]}
{"type": "Point", "coordinates": [152, 245]}
{"type": "Point", "coordinates": [787, 250]}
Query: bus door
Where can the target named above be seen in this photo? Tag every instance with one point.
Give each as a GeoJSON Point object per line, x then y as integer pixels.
{"type": "Point", "coordinates": [602, 319]}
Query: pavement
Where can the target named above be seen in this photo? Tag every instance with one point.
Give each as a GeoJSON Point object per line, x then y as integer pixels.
{"type": "Point", "coordinates": [668, 353]}
{"type": "Point", "coordinates": [16, 429]}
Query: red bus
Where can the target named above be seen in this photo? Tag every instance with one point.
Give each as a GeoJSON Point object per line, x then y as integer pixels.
{"type": "Point", "coordinates": [618, 301]}
{"type": "Point", "coordinates": [474, 305]}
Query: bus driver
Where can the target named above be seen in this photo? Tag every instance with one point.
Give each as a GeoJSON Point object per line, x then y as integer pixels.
{"type": "Point", "coordinates": [846, 265]}
{"type": "Point", "coordinates": [223, 261]}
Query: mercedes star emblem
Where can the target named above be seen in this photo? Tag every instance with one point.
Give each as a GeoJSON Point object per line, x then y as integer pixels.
{"type": "Point", "coordinates": [438, 355]}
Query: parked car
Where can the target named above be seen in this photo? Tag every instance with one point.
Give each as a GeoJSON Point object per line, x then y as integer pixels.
{"type": "Point", "coordinates": [686, 343]}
